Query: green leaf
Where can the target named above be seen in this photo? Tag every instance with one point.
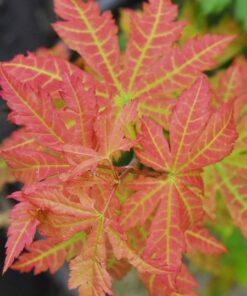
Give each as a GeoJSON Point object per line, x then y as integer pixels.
{"type": "Point", "coordinates": [236, 245]}
{"type": "Point", "coordinates": [213, 6]}
{"type": "Point", "coordinates": [241, 12]}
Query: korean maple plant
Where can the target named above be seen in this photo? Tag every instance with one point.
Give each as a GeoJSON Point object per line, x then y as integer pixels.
{"type": "Point", "coordinates": [111, 156]}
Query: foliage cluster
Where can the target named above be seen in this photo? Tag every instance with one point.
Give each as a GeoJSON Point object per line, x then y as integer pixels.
{"type": "Point", "coordinates": [112, 155]}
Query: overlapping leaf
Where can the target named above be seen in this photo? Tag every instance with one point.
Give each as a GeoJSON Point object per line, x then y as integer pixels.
{"type": "Point", "coordinates": [109, 127]}
{"type": "Point", "coordinates": [231, 172]}
{"type": "Point", "coordinates": [185, 284]}
{"type": "Point", "coordinates": [153, 32]}
{"type": "Point", "coordinates": [142, 204]}
{"type": "Point", "coordinates": [91, 262]}
{"type": "Point", "coordinates": [34, 110]}
{"type": "Point", "coordinates": [51, 198]}
{"type": "Point", "coordinates": [52, 202]}
{"type": "Point", "coordinates": [30, 165]}
{"type": "Point", "coordinates": [99, 44]}
{"type": "Point", "coordinates": [30, 161]}
{"type": "Point", "coordinates": [100, 51]}
{"type": "Point", "coordinates": [201, 240]}
{"type": "Point", "coordinates": [193, 143]}
{"type": "Point", "coordinates": [154, 151]}
{"type": "Point", "coordinates": [46, 71]}
{"type": "Point", "coordinates": [82, 103]}
{"type": "Point", "coordinates": [49, 254]}
{"type": "Point", "coordinates": [220, 129]}
{"type": "Point", "coordinates": [21, 232]}
{"type": "Point", "coordinates": [165, 243]}
{"type": "Point", "coordinates": [181, 67]}
{"type": "Point", "coordinates": [123, 251]}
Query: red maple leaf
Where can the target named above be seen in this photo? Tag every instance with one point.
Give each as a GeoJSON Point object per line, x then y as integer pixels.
{"type": "Point", "coordinates": [196, 132]}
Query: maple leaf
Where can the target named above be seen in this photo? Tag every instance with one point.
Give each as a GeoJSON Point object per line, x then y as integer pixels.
{"type": "Point", "coordinates": [171, 73]}
{"type": "Point", "coordinates": [123, 251]}
{"type": "Point", "coordinates": [81, 158]}
{"type": "Point", "coordinates": [142, 204]}
{"type": "Point", "coordinates": [194, 136]}
{"type": "Point", "coordinates": [83, 217]}
{"type": "Point", "coordinates": [82, 103]}
{"type": "Point", "coordinates": [153, 154]}
{"type": "Point", "coordinates": [51, 127]}
{"type": "Point", "coordinates": [231, 172]}
{"type": "Point", "coordinates": [157, 110]}
{"type": "Point", "coordinates": [43, 254]}
{"type": "Point", "coordinates": [30, 165]}
{"type": "Point", "coordinates": [30, 161]}
{"type": "Point", "coordinates": [64, 226]}
{"type": "Point", "coordinates": [165, 232]}
{"type": "Point", "coordinates": [110, 138]}
{"type": "Point", "coordinates": [33, 110]}
{"type": "Point", "coordinates": [148, 43]}
{"type": "Point", "coordinates": [101, 52]}
{"type": "Point", "coordinates": [84, 22]}
{"type": "Point", "coordinates": [21, 232]}
{"type": "Point", "coordinates": [200, 239]}
{"type": "Point", "coordinates": [96, 280]}
{"type": "Point", "coordinates": [19, 139]}
{"type": "Point", "coordinates": [110, 129]}
{"type": "Point", "coordinates": [46, 71]}
{"type": "Point", "coordinates": [52, 199]}
{"type": "Point", "coordinates": [185, 284]}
